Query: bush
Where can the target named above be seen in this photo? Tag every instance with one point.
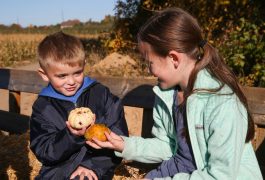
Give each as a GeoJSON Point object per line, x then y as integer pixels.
{"type": "Point", "coordinates": [241, 41]}
{"type": "Point", "coordinates": [243, 47]}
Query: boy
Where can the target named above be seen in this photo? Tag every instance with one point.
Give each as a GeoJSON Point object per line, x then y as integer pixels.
{"type": "Point", "coordinates": [61, 149]}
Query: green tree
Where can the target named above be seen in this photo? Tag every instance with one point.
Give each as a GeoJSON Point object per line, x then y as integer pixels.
{"type": "Point", "coordinates": [236, 27]}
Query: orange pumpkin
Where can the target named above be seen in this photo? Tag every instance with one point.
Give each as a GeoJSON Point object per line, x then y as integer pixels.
{"type": "Point", "coordinates": [81, 117]}
{"type": "Point", "coordinates": [97, 131]}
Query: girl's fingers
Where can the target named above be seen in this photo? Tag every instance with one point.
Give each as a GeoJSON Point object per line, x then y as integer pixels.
{"type": "Point", "coordinates": [114, 142]}
{"type": "Point", "coordinates": [74, 175]}
{"type": "Point", "coordinates": [82, 176]}
{"type": "Point", "coordinates": [108, 136]}
{"type": "Point", "coordinates": [94, 175]}
{"type": "Point", "coordinates": [95, 146]}
{"type": "Point", "coordinates": [115, 136]}
{"type": "Point", "coordinates": [112, 137]}
{"type": "Point", "coordinates": [101, 143]}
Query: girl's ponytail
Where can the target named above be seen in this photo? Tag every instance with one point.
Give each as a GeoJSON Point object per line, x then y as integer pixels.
{"type": "Point", "coordinates": [214, 63]}
{"type": "Point", "coordinates": [175, 29]}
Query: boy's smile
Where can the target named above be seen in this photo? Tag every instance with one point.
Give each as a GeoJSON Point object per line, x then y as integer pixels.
{"type": "Point", "coordinates": [65, 79]}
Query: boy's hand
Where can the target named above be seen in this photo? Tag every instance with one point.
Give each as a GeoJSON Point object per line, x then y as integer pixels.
{"type": "Point", "coordinates": [114, 142]}
{"type": "Point", "coordinates": [83, 172]}
{"type": "Point", "coordinates": [77, 132]}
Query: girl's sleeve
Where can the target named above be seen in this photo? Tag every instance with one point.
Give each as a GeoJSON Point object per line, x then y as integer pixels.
{"type": "Point", "coordinates": [227, 133]}
{"type": "Point", "coordinates": [150, 150]}
{"type": "Point", "coordinates": [49, 144]}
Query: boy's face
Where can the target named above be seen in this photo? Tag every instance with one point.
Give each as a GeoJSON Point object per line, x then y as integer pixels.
{"type": "Point", "coordinates": [65, 79]}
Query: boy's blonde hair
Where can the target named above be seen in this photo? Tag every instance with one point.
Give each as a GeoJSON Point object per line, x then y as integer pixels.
{"type": "Point", "coordinates": [60, 48]}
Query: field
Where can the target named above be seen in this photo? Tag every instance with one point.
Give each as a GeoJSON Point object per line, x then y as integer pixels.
{"type": "Point", "coordinates": [19, 49]}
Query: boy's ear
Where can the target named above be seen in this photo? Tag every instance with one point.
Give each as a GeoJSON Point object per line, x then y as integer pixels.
{"type": "Point", "coordinates": [175, 58]}
{"type": "Point", "coordinates": [43, 74]}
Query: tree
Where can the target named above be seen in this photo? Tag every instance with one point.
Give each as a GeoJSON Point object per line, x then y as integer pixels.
{"type": "Point", "coordinates": [235, 26]}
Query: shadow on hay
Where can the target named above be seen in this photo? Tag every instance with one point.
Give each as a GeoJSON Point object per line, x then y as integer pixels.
{"type": "Point", "coordinates": [14, 154]}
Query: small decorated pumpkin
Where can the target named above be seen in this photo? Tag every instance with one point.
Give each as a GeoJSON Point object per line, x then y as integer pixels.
{"type": "Point", "coordinates": [97, 131]}
{"type": "Point", "coordinates": [80, 117]}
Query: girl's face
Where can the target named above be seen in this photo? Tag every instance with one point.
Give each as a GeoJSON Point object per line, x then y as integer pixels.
{"type": "Point", "coordinates": [161, 67]}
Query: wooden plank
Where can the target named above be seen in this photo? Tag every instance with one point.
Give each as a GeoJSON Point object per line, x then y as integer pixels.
{"type": "Point", "coordinates": [259, 119]}
{"type": "Point", "coordinates": [21, 80]}
{"type": "Point", "coordinates": [13, 122]}
{"type": "Point", "coordinates": [260, 139]}
{"type": "Point", "coordinates": [135, 92]}
{"type": "Point", "coordinates": [256, 107]}
{"type": "Point", "coordinates": [4, 94]}
{"type": "Point", "coordinates": [255, 94]}
{"type": "Point", "coordinates": [256, 99]}
{"type": "Point", "coordinates": [27, 100]}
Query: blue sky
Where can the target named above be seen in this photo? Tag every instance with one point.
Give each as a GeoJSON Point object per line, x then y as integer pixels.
{"type": "Point", "coordinates": [46, 12]}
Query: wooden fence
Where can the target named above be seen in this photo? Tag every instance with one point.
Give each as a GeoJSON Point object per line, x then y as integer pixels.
{"type": "Point", "coordinates": [133, 92]}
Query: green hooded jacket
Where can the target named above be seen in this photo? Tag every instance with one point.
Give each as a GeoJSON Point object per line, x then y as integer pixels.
{"type": "Point", "coordinates": [217, 125]}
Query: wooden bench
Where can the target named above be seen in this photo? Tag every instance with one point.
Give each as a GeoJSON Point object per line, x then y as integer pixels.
{"type": "Point", "coordinates": [133, 92]}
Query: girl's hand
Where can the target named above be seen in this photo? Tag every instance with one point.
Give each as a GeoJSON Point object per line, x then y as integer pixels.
{"type": "Point", "coordinates": [77, 132]}
{"type": "Point", "coordinates": [82, 172]}
{"type": "Point", "coordinates": [114, 142]}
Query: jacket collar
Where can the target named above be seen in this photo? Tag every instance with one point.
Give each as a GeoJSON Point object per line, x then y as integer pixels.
{"type": "Point", "coordinates": [166, 96]}
{"type": "Point", "coordinates": [49, 91]}
{"type": "Point", "coordinates": [205, 80]}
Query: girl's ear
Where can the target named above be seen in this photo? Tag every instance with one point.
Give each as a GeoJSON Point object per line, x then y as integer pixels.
{"type": "Point", "coordinates": [175, 58]}
{"type": "Point", "coordinates": [43, 74]}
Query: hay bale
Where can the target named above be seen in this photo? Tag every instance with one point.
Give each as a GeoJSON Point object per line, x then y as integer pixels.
{"type": "Point", "coordinates": [18, 162]}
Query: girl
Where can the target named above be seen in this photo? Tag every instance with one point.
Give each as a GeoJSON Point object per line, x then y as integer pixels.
{"type": "Point", "coordinates": [207, 136]}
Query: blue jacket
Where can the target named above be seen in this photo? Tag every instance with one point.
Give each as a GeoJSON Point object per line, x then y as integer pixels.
{"type": "Point", "coordinates": [56, 148]}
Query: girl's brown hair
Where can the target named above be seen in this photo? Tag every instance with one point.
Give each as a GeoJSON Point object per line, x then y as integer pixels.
{"type": "Point", "coordinates": [175, 29]}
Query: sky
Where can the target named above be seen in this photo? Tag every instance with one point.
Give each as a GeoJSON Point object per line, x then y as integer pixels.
{"type": "Point", "coordinates": [47, 12]}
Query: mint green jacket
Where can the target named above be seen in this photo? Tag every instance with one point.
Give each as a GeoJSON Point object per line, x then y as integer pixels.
{"type": "Point", "coordinates": [217, 125]}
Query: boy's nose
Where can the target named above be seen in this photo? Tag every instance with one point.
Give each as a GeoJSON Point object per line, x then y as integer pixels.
{"type": "Point", "coordinates": [71, 81]}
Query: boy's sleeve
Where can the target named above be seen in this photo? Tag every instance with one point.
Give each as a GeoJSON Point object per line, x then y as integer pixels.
{"type": "Point", "coordinates": [104, 161]}
{"type": "Point", "coordinates": [49, 144]}
{"type": "Point", "coordinates": [150, 150]}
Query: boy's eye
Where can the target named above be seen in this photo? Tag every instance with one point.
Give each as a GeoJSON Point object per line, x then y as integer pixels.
{"type": "Point", "coordinates": [78, 73]}
{"type": "Point", "coordinates": [62, 76]}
